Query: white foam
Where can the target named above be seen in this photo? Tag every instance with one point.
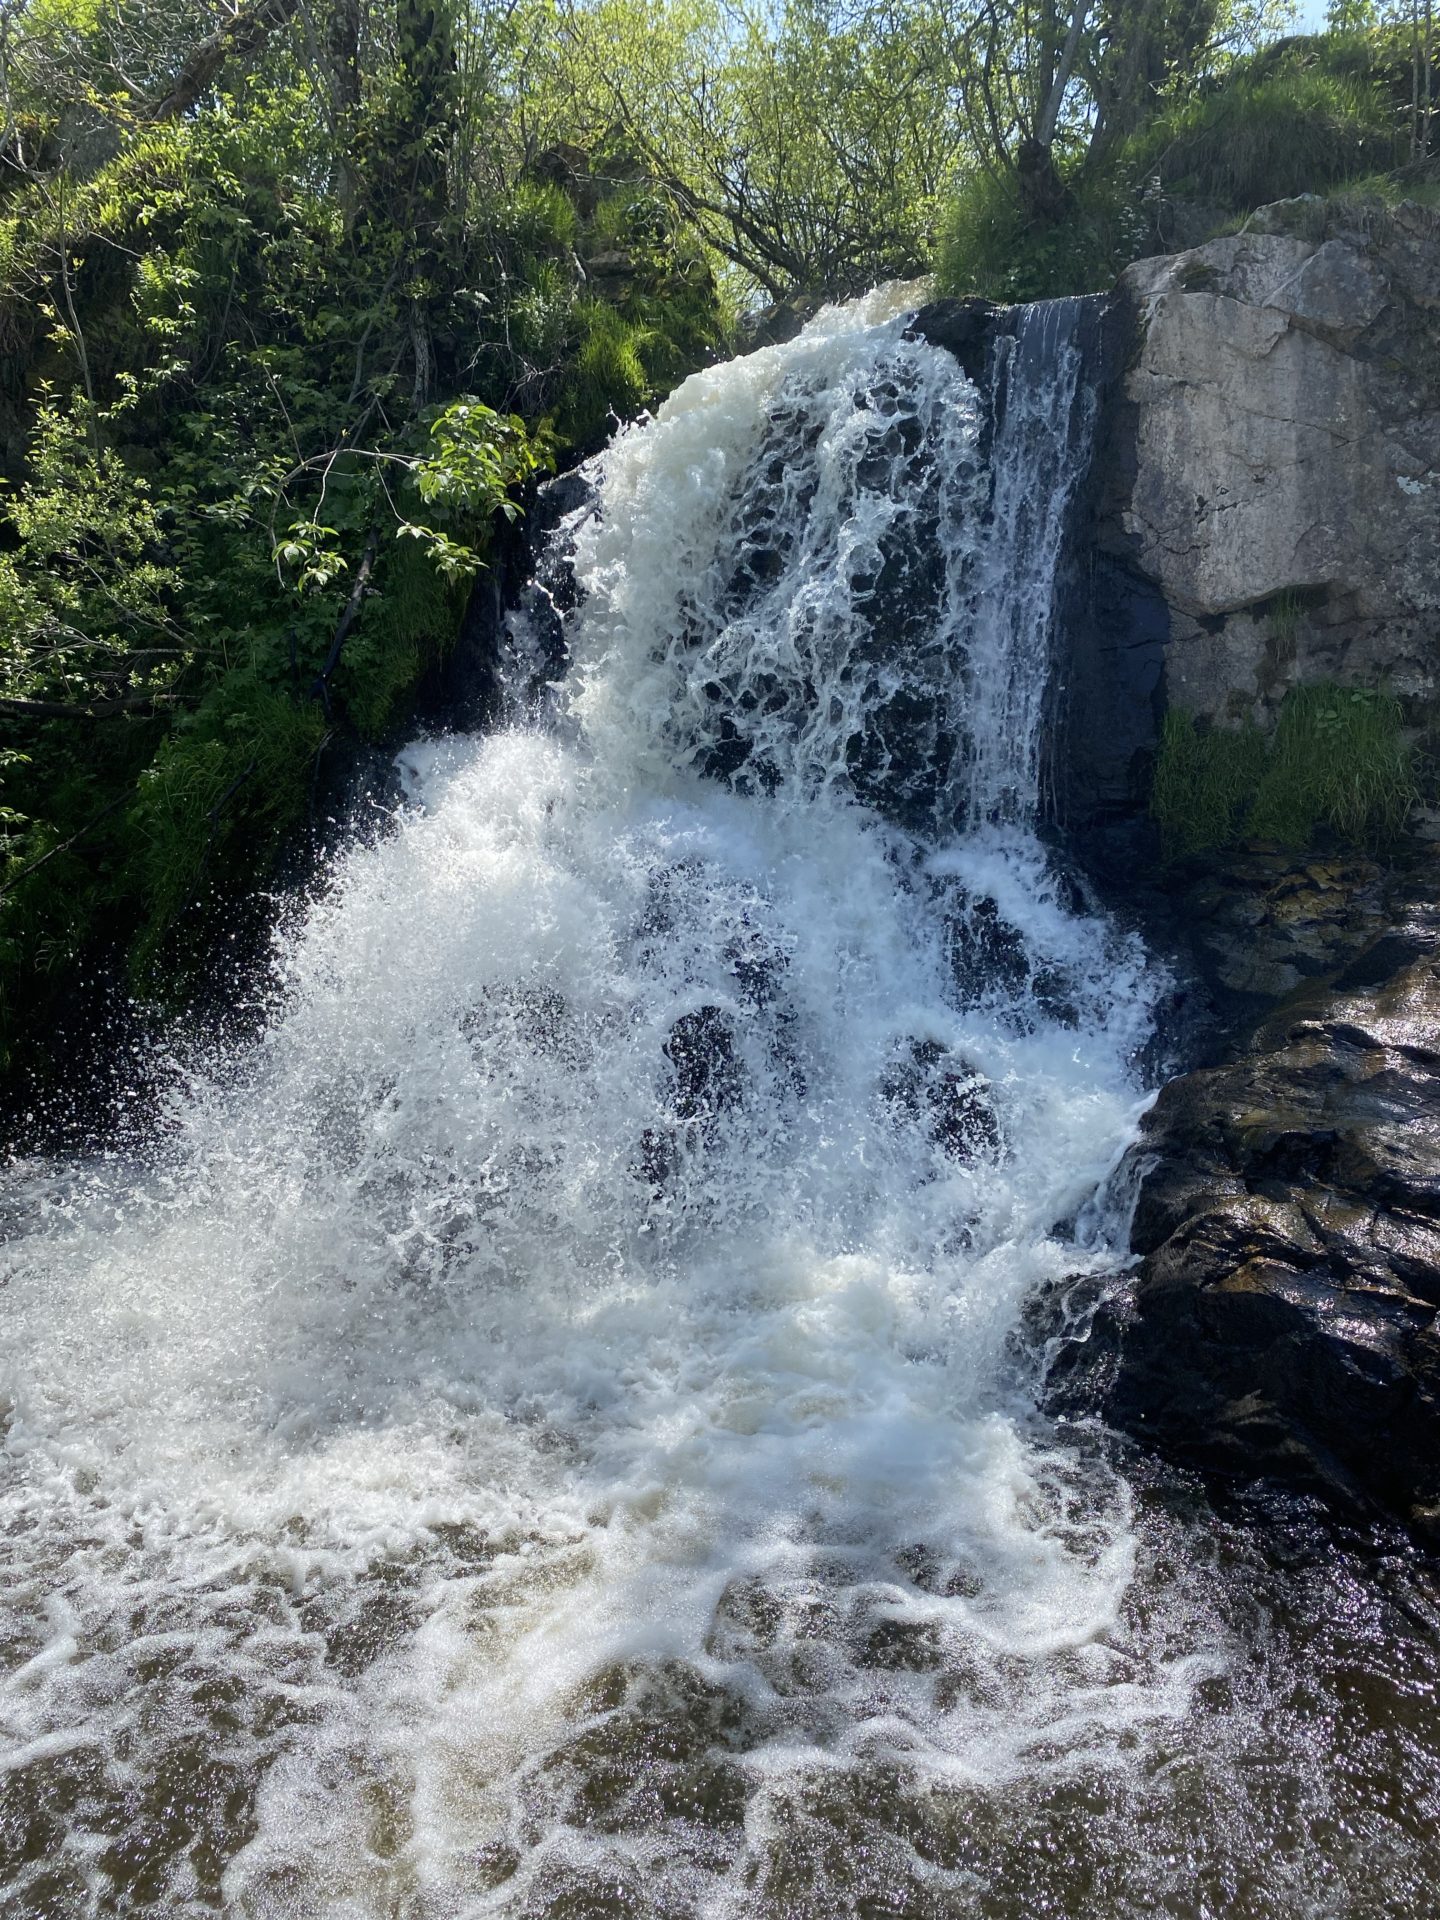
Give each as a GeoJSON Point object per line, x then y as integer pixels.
{"type": "Point", "coordinates": [455, 1288]}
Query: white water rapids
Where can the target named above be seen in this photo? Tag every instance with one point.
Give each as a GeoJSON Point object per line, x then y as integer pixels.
{"type": "Point", "coordinates": [548, 1430]}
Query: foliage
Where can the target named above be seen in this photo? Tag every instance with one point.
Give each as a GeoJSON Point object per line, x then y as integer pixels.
{"type": "Point", "coordinates": [808, 142]}
{"type": "Point", "coordinates": [292, 310]}
{"type": "Point", "coordinates": [225, 784]}
{"type": "Point", "coordinates": [991, 245]}
{"type": "Point", "coordinates": [1338, 758]}
{"type": "Point", "coordinates": [1201, 142]}
{"type": "Point", "coordinates": [1270, 134]}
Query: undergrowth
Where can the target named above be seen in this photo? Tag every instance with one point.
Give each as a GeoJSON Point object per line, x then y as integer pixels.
{"type": "Point", "coordinates": [1270, 136]}
{"type": "Point", "coordinates": [1338, 759]}
{"type": "Point", "coordinates": [988, 245]}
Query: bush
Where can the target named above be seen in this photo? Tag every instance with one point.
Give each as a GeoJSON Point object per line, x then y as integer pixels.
{"type": "Point", "coordinates": [225, 785]}
{"type": "Point", "coordinates": [989, 246]}
{"type": "Point", "coordinates": [1337, 758]}
{"type": "Point", "coordinates": [1262, 136]}
{"type": "Point", "coordinates": [227, 406]}
{"type": "Point", "coordinates": [607, 375]}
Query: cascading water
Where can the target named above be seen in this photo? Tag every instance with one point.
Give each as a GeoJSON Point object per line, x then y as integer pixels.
{"type": "Point", "coordinates": [549, 1429]}
{"type": "Point", "coordinates": [1002, 610]}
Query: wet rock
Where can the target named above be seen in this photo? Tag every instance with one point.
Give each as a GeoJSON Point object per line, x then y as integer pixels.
{"type": "Point", "coordinates": [930, 1086]}
{"type": "Point", "coordinates": [513, 618]}
{"type": "Point", "coordinates": [566, 493]}
{"type": "Point", "coordinates": [1285, 1322]}
{"type": "Point", "coordinates": [965, 328]}
{"type": "Point", "coordinates": [707, 1081]}
{"type": "Point", "coordinates": [987, 952]}
{"type": "Point", "coordinates": [1263, 923]}
{"type": "Point", "coordinates": [898, 679]}
{"type": "Point", "coordinates": [533, 642]}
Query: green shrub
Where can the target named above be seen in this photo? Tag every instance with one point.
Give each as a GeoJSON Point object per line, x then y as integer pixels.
{"type": "Point", "coordinates": [989, 246]}
{"type": "Point", "coordinates": [1338, 758]}
{"type": "Point", "coordinates": [542, 219]}
{"type": "Point", "coordinates": [1303, 116]}
{"type": "Point", "coordinates": [225, 785]}
{"type": "Point", "coordinates": [1368, 200]}
{"type": "Point", "coordinates": [404, 629]}
{"type": "Point", "coordinates": [607, 376]}
{"type": "Point", "coordinates": [1271, 135]}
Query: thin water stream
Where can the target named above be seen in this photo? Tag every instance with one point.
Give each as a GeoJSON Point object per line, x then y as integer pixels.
{"type": "Point", "coordinates": [551, 1428]}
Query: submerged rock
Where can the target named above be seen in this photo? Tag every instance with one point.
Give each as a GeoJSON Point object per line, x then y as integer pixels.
{"type": "Point", "coordinates": [1285, 1321]}
{"type": "Point", "coordinates": [931, 1087]}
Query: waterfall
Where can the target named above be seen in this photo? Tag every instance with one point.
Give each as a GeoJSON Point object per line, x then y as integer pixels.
{"type": "Point", "coordinates": [1004, 609]}
{"type": "Point", "coordinates": [550, 1428]}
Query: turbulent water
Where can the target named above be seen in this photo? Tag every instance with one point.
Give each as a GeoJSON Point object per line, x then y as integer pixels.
{"type": "Point", "coordinates": [550, 1429]}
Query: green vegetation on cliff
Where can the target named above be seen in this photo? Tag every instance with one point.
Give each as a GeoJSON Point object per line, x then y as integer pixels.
{"type": "Point", "coordinates": [292, 305]}
{"type": "Point", "coordinates": [1173, 123]}
{"type": "Point", "coordinates": [1338, 758]}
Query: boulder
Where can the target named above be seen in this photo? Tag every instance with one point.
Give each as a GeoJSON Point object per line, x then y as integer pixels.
{"type": "Point", "coordinates": [1284, 1321]}
{"type": "Point", "coordinates": [965, 328]}
{"type": "Point", "coordinates": [777, 325]}
{"type": "Point", "coordinates": [1263, 922]}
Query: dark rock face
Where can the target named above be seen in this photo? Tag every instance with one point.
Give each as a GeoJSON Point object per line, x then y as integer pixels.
{"type": "Point", "coordinates": [1285, 1322]}
{"type": "Point", "coordinates": [516, 607]}
{"type": "Point", "coordinates": [966, 328]}
{"type": "Point", "coordinates": [1117, 628]}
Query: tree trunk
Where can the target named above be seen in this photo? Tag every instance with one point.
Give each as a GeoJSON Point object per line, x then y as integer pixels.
{"type": "Point", "coordinates": [245, 34]}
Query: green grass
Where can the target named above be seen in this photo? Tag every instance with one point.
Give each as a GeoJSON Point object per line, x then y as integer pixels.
{"type": "Point", "coordinates": [1270, 136]}
{"type": "Point", "coordinates": [988, 246]}
{"type": "Point", "coordinates": [1338, 759]}
{"type": "Point", "coordinates": [1205, 783]}
{"type": "Point", "coordinates": [607, 374]}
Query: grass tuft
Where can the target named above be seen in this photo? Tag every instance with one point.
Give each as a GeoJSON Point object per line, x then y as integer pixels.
{"type": "Point", "coordinates": [1205, 783]}
{"type": "Point", "coordinates": [1338, 759]}
{"type": "Point", "coordinates": [1270, 136]}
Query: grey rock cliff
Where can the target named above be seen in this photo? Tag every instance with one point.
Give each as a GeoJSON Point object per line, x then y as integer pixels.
{"type": "Point", "coordinates": [1267, 512]}
{"type": "Point", "coordinates": [1275, 456]}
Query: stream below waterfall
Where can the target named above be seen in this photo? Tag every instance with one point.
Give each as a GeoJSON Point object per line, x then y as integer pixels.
{"type": "Point", "coordinates": [553, 1426]}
